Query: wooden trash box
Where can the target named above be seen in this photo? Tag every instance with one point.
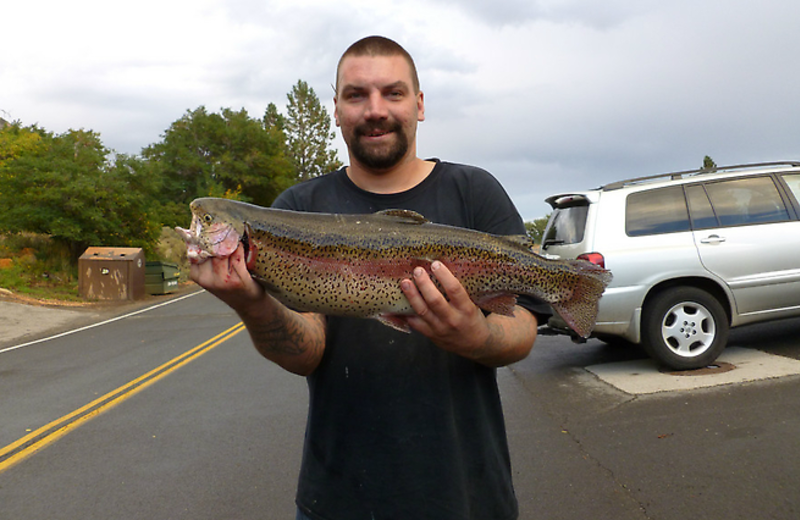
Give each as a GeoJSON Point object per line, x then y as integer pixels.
{"type": "Point", "coordinates": [112, 273]}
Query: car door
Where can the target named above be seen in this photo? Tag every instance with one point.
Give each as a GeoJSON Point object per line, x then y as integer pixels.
{"type": "Point", "coordinates": [748, 235]}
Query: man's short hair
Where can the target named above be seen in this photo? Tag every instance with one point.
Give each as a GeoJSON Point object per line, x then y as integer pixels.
{"type": "Point", "coordinates": [378, 46]}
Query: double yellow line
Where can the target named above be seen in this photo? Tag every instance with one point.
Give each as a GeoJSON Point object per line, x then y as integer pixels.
{"type": "Point", "coordinates": [35, 441]}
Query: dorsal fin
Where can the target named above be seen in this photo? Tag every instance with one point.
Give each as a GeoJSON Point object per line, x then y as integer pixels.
{"type": "Point", "coordinates": [521, 240]}
{"type": "Point", "coordinates": [405, 215]}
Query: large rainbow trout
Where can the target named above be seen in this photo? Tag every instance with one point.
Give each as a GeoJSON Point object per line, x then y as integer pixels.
{"type": "Point", "coordinates": [352, 265]}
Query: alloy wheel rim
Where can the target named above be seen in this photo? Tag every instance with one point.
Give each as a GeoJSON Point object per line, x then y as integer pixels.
{"type": "Point", "coordinates": [688, 329]}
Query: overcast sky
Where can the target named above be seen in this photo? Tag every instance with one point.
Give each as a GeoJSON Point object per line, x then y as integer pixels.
{"type": "Point", "coordinates": [550, 96]}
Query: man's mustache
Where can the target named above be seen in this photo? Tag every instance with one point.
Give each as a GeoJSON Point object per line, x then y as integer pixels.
{"type": "Point", "coordinates": [380, 128]}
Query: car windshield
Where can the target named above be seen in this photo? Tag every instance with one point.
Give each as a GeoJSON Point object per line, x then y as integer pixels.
{"type": "Point", "coordinates": [566, 226]}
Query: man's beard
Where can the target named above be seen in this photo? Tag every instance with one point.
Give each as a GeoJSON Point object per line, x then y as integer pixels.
{"type": "Point", "coordinates": [380, 158]}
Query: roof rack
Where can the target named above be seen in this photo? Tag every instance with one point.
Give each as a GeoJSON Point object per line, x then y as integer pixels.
{"type": "Point", "coordinates": [702, 171]}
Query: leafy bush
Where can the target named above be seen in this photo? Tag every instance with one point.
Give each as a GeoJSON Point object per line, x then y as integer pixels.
{"type": "Point", "coordinates": [37, 266]}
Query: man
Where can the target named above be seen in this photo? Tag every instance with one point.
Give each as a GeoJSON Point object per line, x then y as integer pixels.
{"type": "Point", "coordinates": [400, 426]}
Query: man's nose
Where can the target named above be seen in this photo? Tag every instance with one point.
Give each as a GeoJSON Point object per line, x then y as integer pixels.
{"type": "Point", "coordinates": [377, 107]}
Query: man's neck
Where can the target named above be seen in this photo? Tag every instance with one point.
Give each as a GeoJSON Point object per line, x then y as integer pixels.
{"type": "Point", "coordinates": [398, 179]}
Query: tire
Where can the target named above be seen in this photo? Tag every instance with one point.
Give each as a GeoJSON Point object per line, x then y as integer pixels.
{"type": "Point", "coordinates": [684, 328]}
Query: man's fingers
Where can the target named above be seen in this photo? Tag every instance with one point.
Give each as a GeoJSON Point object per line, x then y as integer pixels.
{"type": "Point", "coordinates": [450, 320]}
{"type": "Point", "coordinates": [418, 293]}
{"type": "Point", "coordinates": [456, 294]}
{"type": "Point", "coordinates": [414, 297]}
{"type": "Point", "coordinates": [426, 298]}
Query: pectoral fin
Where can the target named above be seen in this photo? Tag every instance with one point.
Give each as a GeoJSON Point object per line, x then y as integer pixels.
{"type": "Point", "coordinates": [394, 321]}
{"type": "Point", "coordinates": [502, 303]}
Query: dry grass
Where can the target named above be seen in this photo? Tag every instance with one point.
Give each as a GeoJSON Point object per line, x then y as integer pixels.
{"type": "Point", "coordinates": [171, 248]}
{"type": "Point", "coordinates": [34, 267]}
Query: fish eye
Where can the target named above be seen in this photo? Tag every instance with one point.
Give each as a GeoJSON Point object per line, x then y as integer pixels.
{"type": "Point", "coordinates": [207, 218]}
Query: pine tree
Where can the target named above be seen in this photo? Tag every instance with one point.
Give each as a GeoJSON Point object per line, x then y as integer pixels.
{"type": "Point", "coordinates": [308, 133]}
{"type": "Point", "coordinates": [273, 119]}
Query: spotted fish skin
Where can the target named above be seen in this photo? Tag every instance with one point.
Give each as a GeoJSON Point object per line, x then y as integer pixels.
{"type": "Point", "coordinates": [352, 265]}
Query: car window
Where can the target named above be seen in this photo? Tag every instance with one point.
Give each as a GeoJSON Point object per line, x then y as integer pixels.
{"type": "Point", "coordinates": [658, 211]}
{"type": "Point", "coordinates": [793, 181]}
{"type": "Point", "coordinates": [700, 209]}
{"type": "Point", "coordinates": [753, 200]}
{"type": "Point", "coordinates": [566, 226]}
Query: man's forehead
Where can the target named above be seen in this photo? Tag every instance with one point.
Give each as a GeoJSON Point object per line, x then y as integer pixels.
{"type": "Point", "coordinates": [365, 71]}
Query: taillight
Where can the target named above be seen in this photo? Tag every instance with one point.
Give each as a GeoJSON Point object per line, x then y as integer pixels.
{"type": "Point", "coordinates": [595, 258]}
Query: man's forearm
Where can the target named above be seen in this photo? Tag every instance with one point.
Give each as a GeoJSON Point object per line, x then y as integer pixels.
{"type": "Point", "coordinates": [510, 339]}
{"type": "Point", "coordinates": [292, 340]}
{"type": "Point", "coordinates": [295, 341]}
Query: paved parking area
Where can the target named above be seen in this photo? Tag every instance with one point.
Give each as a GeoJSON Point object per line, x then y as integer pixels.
{"type": "Point", "coordinates": [735, 365]}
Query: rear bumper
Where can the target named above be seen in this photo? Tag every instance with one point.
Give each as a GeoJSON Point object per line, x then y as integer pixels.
{"type": "Point", "coordinates": [619, 314]}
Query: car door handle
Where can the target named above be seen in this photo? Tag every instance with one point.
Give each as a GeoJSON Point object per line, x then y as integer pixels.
{"type": "Point", "coordinates": [712, 239]}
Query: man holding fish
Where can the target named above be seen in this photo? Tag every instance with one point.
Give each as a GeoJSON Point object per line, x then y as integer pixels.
{"type": "Point", "coordinates": [400, 426]}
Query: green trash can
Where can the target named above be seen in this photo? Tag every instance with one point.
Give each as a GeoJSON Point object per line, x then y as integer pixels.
{"type": "Point", "coordinates": [161, 277]}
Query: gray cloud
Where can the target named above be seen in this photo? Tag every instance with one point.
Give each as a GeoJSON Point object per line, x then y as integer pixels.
{"type": "Point", "coordinates": [550, 96]}
{"type": "Point", "coordinates": [599, 15]}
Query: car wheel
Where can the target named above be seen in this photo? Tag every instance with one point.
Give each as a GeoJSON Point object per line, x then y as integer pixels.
{"type": "Point", "coordinates": [684, 328]}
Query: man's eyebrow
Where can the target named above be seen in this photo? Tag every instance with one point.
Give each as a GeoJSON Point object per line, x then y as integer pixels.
{"type": "Point", "coordinates": [397, 84]}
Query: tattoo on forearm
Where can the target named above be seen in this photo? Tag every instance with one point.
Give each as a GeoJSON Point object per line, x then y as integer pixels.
{"type": "Point", "coordinates": [496, 337]}
{"type": "Point", "coordinates": [291, 337]}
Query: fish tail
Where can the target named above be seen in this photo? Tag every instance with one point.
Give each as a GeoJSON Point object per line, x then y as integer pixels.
{"type": "Point", "coordinates": [579, 309]}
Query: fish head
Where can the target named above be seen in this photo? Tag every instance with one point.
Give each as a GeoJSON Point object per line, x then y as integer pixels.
{"type": "Point", "coordinates": [214, 231]}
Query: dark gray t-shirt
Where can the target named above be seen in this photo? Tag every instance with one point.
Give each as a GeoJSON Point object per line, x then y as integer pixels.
{"type": "Point", "coordinates": [399, 429]}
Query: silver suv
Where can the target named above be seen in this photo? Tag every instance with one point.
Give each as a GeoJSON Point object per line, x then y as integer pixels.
{"type": "Point", "coordinates": [693, 254]}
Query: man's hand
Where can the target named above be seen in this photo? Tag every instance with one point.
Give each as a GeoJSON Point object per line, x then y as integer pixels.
{"type": "Point", "coordinates": [456, 324]}
{"type": "Point", "coordinates": [293, 340]}
{"type": "Point", "coordinates": [228, 279]}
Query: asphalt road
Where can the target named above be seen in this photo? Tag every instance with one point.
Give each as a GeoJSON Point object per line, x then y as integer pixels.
{"type": "Point", "coordinates": [213, 431]}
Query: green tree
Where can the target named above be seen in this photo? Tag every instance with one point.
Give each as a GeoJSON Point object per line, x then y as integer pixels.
{"type": "Point", "coordinates": [17, 140]}
{"type": "Point", "coordinates": [308, 131]}
{"type": "Point", "coordinates": [64, 186]}
{"type": "Point", "coordinates": [708, 163]}
{"type": "Point", "coordinates": [209, 154]}
{"type": "Point", "coordinates": [273, 118]}
{"type": "Point", "coordinates": [536, 228]}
